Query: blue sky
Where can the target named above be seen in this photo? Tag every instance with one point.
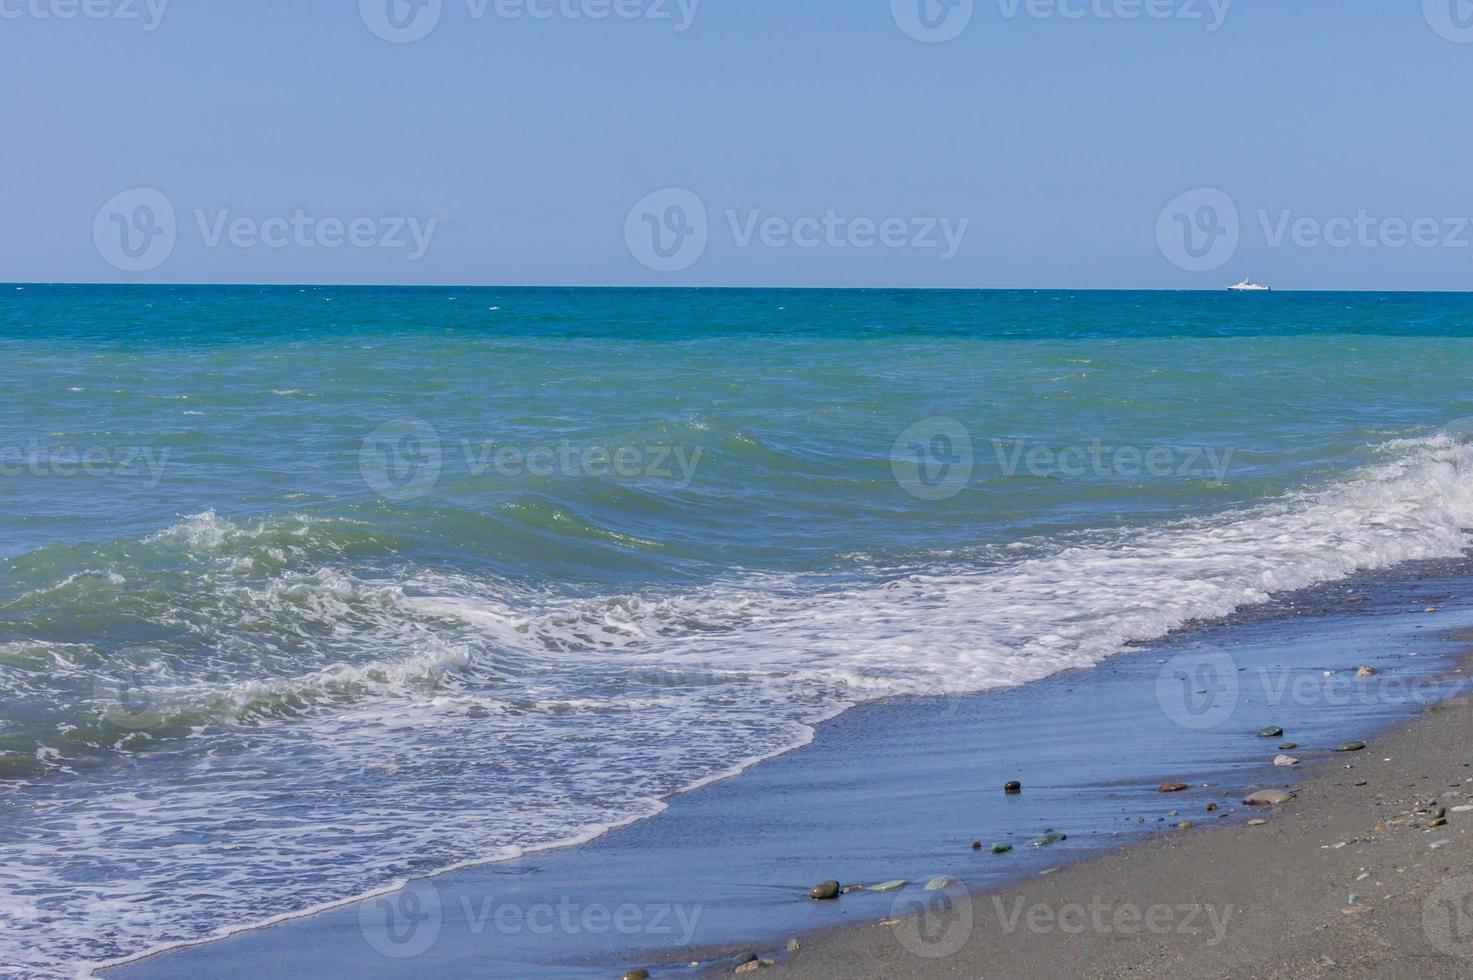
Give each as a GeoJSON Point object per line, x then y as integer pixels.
{"type": "Point", "coordinates": [824, 144]}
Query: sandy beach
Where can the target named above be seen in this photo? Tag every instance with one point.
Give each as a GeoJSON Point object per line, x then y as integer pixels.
{"type": "Point", "coordinates": [1351, 877]}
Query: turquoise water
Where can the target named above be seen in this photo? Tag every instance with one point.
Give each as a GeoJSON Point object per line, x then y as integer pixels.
{"type": "Point", "coordinates": [288, 577]}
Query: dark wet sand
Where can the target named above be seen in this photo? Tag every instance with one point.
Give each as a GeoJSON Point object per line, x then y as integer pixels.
{"type": "Point", "coordinates": [1283, 890]}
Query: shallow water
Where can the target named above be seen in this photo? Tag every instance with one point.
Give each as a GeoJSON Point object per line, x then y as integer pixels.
{"type": "Point", "coordinates": [291, 575]}
{"type": "Point", "coordinates": [898, 789]}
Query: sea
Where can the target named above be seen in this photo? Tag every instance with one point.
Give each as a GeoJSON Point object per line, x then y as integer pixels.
{"type": "Point", "coordinates": [309, 591]}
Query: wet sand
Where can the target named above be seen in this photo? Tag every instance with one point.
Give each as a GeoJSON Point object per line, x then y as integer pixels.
{"type": "Point", "coordinates": [1346, 879]}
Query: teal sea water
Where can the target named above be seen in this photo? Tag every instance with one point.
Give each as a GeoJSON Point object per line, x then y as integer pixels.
{"type": "Point", "coordinates": [307, 591]}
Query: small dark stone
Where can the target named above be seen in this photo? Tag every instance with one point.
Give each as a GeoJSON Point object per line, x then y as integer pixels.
{"type": "Point", "coordinates": [824, 892]}
{"type": "Point", "coordinates": [1013, 788]}
{"type": "Point", "coordinates": [1172, 788]}
{"type": "Point", "coordinates": [976, 845]}
{"type": "Point", "coordinates": [1001, 848]}
{"type": "Point", "coordinates": [1350, 747]}
{"type": "Point", "coordinates": [1273, 731]}
{"type": "Point", "coordinates": [1286, 746]}
{"type": "Point", "coordinates": [636, 975]}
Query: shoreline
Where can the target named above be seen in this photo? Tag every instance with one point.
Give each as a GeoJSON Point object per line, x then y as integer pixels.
{"type": "Point", "coordinates": [1354, 873]}
{"type": "Point", "coordinates": [803, 781]}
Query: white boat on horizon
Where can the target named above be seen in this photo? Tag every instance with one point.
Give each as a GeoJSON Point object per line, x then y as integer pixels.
{"type": "Point", "coordinates": [1249, 286]}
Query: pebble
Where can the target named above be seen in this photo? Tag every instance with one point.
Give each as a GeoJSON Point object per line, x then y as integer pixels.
{"type": "Point", "coordinates": [1211, 807]}
{"type": "Point", "coordinates": [1350, 746]}
{"type": "Point", "coordinates": [1286, 760]}
{"type": "Point", "coordinates": [1462, 809]}
{"type": "Point", "coordinates": [1438, 810]}
{"type": "Point", "coordinates": [1257, 823]}
{"type": "Point", "coordinates": [636, 975]}
{"type": "Point", "coordinates": [793, 946]}
{"type": "Point", "coordinates": [753, 966]}
{"type": "Point", "coordinates": [1185, 825]}
{"type": "Point", "coordinates": [976, 845]}
{"type": "Point", "coordinates": [1271, 732]}
{"type": "Point", "coordinates": [1437, 822]}
{"type": "Point", "coordinates": [1171, 788]}
{"type": "Point", "coordinates": [1047, 839]}
{"type": "Point", "coordinates": [1001, 848]}
{"type": "Point", "coordinates": [1286, 746]}
{"type": "Point", "coordinates": [889, 886]}
{"type": "Point", "coordinates": [1267, 797]}
{"type": "Point", "coordinates": [1013, 788]}
{"type": "Point", "coordinates": [1366, 672]}
{"type": "Point", "coordinates": [936, 884]}
{"type": "Point", "coordinates": [1439, 843]}
{"type": "Point", "coordinates": [824, 892]}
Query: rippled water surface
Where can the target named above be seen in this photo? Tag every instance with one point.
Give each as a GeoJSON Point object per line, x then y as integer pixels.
{"type": "Point", "coordinates": [306, 591]}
